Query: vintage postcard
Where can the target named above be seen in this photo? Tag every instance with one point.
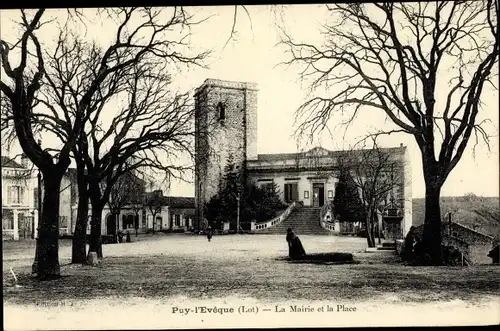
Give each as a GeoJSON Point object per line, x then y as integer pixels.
{"type": "Point", "coordinates": [250, 166]}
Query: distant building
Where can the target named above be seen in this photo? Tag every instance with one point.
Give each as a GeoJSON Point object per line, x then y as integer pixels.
{"type": "Point", "coordinates": [20, 206]}
{"type": "Point", "coordinates": [18, 195]}
{"type": "Point", "coordinates": [20, 199]}
{"type": "Point", "coordinates": [226, 127]}
{"type": "Point", "coordinates": [176, 214]}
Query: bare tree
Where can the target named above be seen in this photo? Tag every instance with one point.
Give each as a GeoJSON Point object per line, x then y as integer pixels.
{"type": "Point", "coordinates": [25, 83]}
{"type": "Point", "coordinates": [390, 57]}
{"type": "Point", "coordinates": [151, 130]}
{"type": "Point", "coordinates": [120, 194]}
{"type": "Point", "coordinates": [376, 173]}
{"type": "Point", "coordinates": [151, 126]}
{"type": "Point", "coordinates": [154, 202]}
{"type": "Point", "coordinates": [137, 201]}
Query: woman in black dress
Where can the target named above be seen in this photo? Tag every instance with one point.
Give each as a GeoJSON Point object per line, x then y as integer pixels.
{"type": "Point", "coordinates": [295, 248]}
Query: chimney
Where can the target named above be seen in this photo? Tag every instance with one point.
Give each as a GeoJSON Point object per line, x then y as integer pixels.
{"type": "Point", "coordinates": [25, 161]}
{"type": "Point", "coordinates": [401, 145]}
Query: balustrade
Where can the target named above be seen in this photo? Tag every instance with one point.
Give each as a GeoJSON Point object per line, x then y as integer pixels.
{"type": "Point", "coordinates": [325, 225]}
{"type": "Point", "coordinates": [274, 221]}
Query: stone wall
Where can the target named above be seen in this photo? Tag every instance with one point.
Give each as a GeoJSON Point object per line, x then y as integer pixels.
{"type": "Point", "coordinates": [479, 244]}
{"type": "Point", "coordinates": [472, 243]}
{"type": "Point", "coordinates": [218, 138]}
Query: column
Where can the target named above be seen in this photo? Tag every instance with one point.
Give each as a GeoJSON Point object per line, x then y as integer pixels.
{"type": "Point", "coordinates": [15, 235]}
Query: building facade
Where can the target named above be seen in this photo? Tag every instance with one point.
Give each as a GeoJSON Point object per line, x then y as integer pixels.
{"type": "Point", "coordinates": [20, 200]}
{"type": "Point", "coordinates": [20, 206]}
{"type": "Point", "coordinates": [226, 127]}
{"type": "Point", "coordinates": [19, 212]}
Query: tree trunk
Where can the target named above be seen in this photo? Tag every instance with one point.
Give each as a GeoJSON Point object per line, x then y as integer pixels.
{"type": "Point", "coordinates": [95, 244]}
{"type": "Point", "coordinates": [369, 230]}
{"type": "Point", "coordinates": [78, 253]}
{"type": "Point", "coordinates": [372, 230]}
{"type": "Point", "coordinates": [116, 217]}
{"type": "Point", "coordinates": [431, 240]}
{"type": "Point", "coordinates": [378, 232]}
{"type": "Point", "coordinates": [48, 232]}
{"type": "Point", "coordinates": [154, 223]}
{"type": "Point", "coordinates": [136, 224]}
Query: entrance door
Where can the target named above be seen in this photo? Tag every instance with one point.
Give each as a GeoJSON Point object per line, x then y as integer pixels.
{"type": "Point", "coordinates": [291, 192]}
{"type": "Point", "coordinates": [318, 194]}
{"type": "Point", "coordinates": [111, 225]}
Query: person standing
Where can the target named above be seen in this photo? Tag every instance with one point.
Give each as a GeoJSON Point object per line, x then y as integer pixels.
{"type": "Point", "coordinates": [407, 254]}
{"type": "Point", "coordinates": [209, 233]}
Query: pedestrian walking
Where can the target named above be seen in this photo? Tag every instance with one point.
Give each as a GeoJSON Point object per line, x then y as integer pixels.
{"type": "Point", "coordinates": [209, 233]}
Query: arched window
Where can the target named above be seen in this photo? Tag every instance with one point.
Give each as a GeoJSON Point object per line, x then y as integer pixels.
{"type": "Point", "coordinates": [221, 110]}
{"type": "Point", "coordinates": [128, 221]}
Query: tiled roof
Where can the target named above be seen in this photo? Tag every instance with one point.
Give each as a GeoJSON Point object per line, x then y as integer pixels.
{"type": "Point", "coordinates": [180, 202]}
{"type": "Point", "coordinates": [9, 163]}
{"type": "Point", "coordinates": [174, 202]}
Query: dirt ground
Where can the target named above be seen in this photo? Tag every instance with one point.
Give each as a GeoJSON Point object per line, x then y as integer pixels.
{"type": "Point", "coordinates": [167, 271]}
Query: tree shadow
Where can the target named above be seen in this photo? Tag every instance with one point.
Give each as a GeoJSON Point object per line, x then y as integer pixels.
{"type": "Point", "coordinates": [322, 258]}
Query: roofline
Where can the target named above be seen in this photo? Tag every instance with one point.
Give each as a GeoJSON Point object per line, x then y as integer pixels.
{"type": "Point", "coordinates": [12, 160]}
{"type": "Point", "coordinates": [226, 84]}
{"type": "Point", "coordinates": [337, 150]}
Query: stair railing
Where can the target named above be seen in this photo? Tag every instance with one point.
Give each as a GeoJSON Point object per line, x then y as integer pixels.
{"type": "Point", "coordinates": [255, 227]}
{"type": "Point", "coordinates": [326, 209]}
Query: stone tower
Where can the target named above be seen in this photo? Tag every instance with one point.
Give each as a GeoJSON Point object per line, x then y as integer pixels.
{"type": "Point", "coordinates": [225, 124]}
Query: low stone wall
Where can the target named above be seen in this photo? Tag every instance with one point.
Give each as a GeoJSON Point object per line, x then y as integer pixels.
{"type": "Point", "coordinates": [478, 254]}
{"type": "Point", "coordinates": [326, 210]}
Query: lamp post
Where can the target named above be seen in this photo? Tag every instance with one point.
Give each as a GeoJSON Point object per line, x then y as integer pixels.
{"type": "Point", "coordinates": [449, 223]}
{"type": "Point", "coordinates": [238, 214]}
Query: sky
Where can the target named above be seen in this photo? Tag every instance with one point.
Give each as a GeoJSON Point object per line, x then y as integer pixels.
{"type": "Point", "coordinates": [254, 55]}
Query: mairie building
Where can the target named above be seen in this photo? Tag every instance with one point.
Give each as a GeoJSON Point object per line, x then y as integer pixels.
{"type": "Point", "coordinates": [226, 127]}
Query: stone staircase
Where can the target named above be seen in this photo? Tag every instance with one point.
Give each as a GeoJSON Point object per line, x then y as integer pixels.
{"type": "Point", "coordinates": [387, 246]}
{"type": "Point", "coordinates": [303, 221]}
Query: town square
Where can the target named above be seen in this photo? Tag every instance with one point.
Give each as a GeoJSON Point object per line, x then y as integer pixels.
{"type": "Point", "coordinates": [250, 166]}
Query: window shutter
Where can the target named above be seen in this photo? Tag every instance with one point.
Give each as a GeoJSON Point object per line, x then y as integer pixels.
{"type": "Point", "coordinates": [295, 192]}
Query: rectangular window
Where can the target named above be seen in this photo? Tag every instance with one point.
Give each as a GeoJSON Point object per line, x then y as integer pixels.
{"type": "Point", "coordinates": [15, 195]}
{"type": "Point", "coordinates": [7, 219]}
{"type": "Point", "coordinates": [221, 109]}
{"type": "Point", "coordinates": [306, 194]}
{"type": "Point", "coordinates": [177, 220]}
{"type": "Point", "coordinates": [330, 194]}
{"type": "Point", "coordinates": [291, 192]}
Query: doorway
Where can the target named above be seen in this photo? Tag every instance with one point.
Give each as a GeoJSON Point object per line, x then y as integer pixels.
{"type": "Point", "coordinates": [111, 225]}
{"type": "Point", "coordinates": [318, 194]}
